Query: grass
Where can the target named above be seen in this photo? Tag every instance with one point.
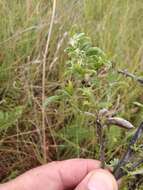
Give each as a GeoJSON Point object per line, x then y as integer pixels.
{"type": "Point", "coordinates": [27, 140]}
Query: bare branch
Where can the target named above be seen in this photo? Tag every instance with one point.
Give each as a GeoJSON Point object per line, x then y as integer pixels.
{"type": "Point", "coordinates": [101, 136]}
{"type": "Point", "coordinates": [127, 74]}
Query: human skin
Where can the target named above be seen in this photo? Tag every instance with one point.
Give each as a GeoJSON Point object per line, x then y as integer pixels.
{"type": "Point", "coordinates": [78, 174]}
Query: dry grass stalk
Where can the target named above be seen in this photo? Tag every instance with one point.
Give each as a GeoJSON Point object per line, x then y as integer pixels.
{"type": "Point", "coordinates": [43, 79]}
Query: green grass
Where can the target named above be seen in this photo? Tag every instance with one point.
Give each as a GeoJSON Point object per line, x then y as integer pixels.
{"type": "Point", "coordinates": [115, 26]}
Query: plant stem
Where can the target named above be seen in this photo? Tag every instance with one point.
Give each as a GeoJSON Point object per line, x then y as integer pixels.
{"type": "Point", "coordinates": [101, 137]}
{"type": "Point", "coordinates": [43, 80]}
{"type": "Point", "coordinates": [127, 74]}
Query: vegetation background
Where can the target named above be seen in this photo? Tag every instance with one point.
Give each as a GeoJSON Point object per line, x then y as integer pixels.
{"type": "Point", "coordinates": [36, 126]}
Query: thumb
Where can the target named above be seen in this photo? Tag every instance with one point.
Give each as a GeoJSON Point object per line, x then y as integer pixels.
{"type": "Point", "coordinates": [98, 180]}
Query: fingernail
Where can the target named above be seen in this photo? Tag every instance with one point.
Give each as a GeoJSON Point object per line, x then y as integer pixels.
{"type": "Point", "coordinates": [102, 180]}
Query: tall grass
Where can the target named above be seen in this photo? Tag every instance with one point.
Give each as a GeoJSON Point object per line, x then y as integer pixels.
{"type": "Point", "coordinates": [115, 26]}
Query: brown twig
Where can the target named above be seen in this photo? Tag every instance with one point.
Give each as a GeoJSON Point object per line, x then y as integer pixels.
{"type": "Point", "coordinates": [101, 137]}
{"type": "Point", "coordinates": [127, 74]}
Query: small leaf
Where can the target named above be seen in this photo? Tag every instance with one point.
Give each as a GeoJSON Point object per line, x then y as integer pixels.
{"type": "Point", "coordinates": [139, 171]}
{"type": "Point", "coordinates": [50, 100]}
{"type": "Point", "coordinates": [114, 162]}
{"type": "Point", "coordinates": [138, 104]}
{"type": "Point", "coordinates": [94, 51]}
{"type": "Point", "coordinates": [69, 88]}
{"type": "Point", "coordinates": [7, 119]}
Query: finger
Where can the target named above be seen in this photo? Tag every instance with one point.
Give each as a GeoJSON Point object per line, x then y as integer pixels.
{"type": "Point", "coordinates": [73, 171]}
{"type": "Point", "coordinates": [57, 175]}
{"type": "Point", "coordinates": [98, 180]}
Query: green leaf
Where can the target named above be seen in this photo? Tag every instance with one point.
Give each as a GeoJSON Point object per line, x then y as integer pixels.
{"type": "Point", "coordinates": [69, 88]}
{"type": "Point", "coordinates": [50, 100]}
{"type": "Point", "coordinates": [138, 171]}
{"type": "Point", "coordinates": [7, 119]}
{"type": "Point", "coordinates": [94, 51]}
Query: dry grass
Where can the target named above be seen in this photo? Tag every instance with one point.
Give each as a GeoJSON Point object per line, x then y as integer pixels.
{"type": "Point", "coordinates": [32, 66]}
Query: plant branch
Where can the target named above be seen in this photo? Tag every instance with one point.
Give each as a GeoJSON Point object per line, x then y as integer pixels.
{"type": "Point", "coordinates": [127, 74]}
{"type": "Point", "coordinates": [101, 136]}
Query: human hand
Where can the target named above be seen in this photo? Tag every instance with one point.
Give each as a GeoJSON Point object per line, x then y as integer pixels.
{"type": "Point", "coordinates": [78, 174]}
